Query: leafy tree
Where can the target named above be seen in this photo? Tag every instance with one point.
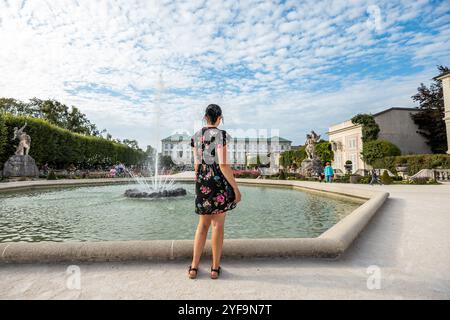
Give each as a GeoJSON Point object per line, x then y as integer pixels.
{"type": "Point", "coordinates": [53, 111]}
{"type": "Point", "coordinates": [430, 118]}
{"type": "Point", "coordinates": [324, 151]}
{"type": "Point", "coordinates": [378, 149]}
{"type": "Point", "coordinates": [289, 157]}
{"type": "Point", "coordinates": [370, 128]}
{"type": "Point", "coordinates": [166, 162]}
{"type": "Point", "coordinates": [133, 144]}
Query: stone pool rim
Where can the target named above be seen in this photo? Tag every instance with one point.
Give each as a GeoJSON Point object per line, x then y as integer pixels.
{"type": "Point", "coordinates": [330, 244]}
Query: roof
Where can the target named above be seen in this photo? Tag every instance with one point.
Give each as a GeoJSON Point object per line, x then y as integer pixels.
{"type": "Point", "coordinates": [178, 137]}
{"type": "Point", "coordinates": [274, 138]}
{"type": "Point", "coordinates": [393, 109]}
{"type": "Point", "coordinates": [343, 126]}
{"type": "Point", "coordinates": [442, 75]}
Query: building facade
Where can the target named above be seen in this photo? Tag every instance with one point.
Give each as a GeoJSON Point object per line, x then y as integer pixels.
{"type": "Point", "coordinates": [396, 126]}
{"type": "Point", "coordinates": [241, 151]}
{"type": "Point", "coordinates": [445, 78]}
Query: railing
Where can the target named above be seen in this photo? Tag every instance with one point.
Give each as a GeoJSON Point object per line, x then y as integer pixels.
{"type": "Point", "coordinates": [436, 174]}
{"type": "Point", "coordinates": [442, 174]}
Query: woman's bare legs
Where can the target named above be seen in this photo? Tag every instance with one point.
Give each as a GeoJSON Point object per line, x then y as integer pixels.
{"type": "Point", "coordinates": [218, 223]}
{"type": "Point", "coordinates": [200, 238]}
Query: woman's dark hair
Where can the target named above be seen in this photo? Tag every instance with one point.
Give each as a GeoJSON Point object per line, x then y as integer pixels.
{"type": "Point", "coordinates": [213, 112]}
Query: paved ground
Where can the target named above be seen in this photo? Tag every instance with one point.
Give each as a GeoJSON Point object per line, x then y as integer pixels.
{"type": "Point", "coordinates": [407, 242]}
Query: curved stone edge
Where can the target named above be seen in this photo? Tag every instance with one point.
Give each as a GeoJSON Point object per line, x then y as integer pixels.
{"type": "Point", "coordinates": [331, 244]}
{"type": "Point", "coordinates": [348, 229]}
{"type": "Point", "coordinates": [51, 252]}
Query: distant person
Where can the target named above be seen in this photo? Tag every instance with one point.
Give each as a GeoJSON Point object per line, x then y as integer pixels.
{"type": "Point", "coordinates": [45, 169]}
{"type": "Point", "coordinates": [374, 178]}
{"type": "Point", "coordinates": [112, 172]}
{"type": "Point", "coordinates": [216, 189]}
{"type": "Point", "coordinates": [329, 173]}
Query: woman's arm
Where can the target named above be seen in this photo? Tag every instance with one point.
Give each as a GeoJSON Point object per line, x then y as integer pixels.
{"type": "Point", "coordinates": [196, 162]}
{"type": "Point", "coordinates": [227, 172]}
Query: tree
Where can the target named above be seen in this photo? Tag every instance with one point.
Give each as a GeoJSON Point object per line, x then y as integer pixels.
{"type": "Point", "coordinates": [133, 144]}
{"type": "Point", "coordinates": [378, 149]}
{"type": "Point", "coordinates": [324, 151]}
{"type": "Point", "coordinates": [166, 162]}
{"type": "Point", "coordinates": [289, 157]}
{"type": "Point", "coordinates": [53, 111]}
{"type": "Point", "coordinates": [370, 128]}
{"type": "Point", "coordinates": [430, 118]}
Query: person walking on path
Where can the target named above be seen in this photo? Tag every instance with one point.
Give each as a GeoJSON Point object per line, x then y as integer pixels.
{"type": "Point", "coordinates": [374, 178]}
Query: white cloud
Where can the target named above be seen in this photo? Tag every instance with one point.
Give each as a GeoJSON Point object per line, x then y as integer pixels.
{"type": "Point", "coordinates": [268, 63]}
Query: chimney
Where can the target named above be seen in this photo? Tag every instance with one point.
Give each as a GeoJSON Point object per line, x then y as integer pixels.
{"type": "Point", "coordinates": [445, 78]}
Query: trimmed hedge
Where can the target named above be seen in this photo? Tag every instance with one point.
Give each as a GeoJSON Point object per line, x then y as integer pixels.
{"type": "Point", "coordinates": [415, 163]}
{"type": "Point", "coordinates": [378, 149]}
{"type": "Point", "coordinates": [60, 147]}
{"type": "Point", "coordinates": [3, 133]}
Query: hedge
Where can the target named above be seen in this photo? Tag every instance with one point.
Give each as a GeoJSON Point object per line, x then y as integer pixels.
{"type": "Point", "coordinates": [60, 147]}
{"type": "Point", "coordinates": [378, 149]}
{"type": "Point", "coordinates": [415, 163]}
{"type": "Point", "coordinates": [3, 133]}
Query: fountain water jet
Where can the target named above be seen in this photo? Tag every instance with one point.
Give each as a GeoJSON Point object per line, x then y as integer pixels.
{"type": "Point", "coordinates": [161, 186]}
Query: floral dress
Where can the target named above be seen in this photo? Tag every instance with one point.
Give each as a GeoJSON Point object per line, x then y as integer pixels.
{"type": "Point", "coordinates": [214, 193]}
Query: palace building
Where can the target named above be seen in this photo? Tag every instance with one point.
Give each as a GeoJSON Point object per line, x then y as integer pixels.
{"type": "Point", "coordinates": [396, 126]}
{"type": "Point", "coordinates": [241, 151]}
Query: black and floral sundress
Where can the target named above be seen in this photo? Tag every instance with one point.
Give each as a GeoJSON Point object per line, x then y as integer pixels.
{"type": "Point", "coordinates": [214, 193]}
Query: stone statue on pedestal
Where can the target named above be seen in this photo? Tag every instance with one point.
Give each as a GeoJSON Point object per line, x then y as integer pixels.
{"type": "Point", "coordinates": [24, 141]}
{"type": "Point", "coordinates": [312, 165]}
{"type": "Point", "coordinates": [21, 164]}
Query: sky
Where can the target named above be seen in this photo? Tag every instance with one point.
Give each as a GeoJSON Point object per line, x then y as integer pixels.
{"type": "Point", "coordinates": [146, 69]}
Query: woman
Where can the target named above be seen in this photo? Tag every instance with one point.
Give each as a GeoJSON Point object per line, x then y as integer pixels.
{"type": "Point", "coordinates": [216, 189]}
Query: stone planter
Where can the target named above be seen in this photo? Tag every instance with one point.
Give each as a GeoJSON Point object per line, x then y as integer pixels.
{"type": "Point", "coordinates": [354, 178]}
{"type": "Point", "coordinates": [348, 168]}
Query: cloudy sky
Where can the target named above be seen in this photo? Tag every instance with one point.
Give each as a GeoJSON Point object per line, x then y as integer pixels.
{"type": "Point", "coordinates": [290, 66]}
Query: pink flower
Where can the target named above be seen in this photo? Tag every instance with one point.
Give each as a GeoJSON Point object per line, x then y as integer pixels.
{"type": "Point", "coordinates": [205, 190]}
{"type": "Point", "coordinates": [220, 198]}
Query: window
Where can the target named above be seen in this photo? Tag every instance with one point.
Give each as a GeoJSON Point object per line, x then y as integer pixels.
{"type": "Point", "coordinates": [351, 143]}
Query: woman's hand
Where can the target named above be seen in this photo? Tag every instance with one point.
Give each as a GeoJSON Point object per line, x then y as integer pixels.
{"type": "Point", "coordinates": [237, 195]}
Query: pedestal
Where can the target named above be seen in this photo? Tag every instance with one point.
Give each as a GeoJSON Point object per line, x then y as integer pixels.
{"type": "Point", "coordinates": [311, 167]}
{"type": "Point", "coordinates": [20, 166]}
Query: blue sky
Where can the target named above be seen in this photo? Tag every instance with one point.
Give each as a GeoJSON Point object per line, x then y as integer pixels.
{"type": "Point", "coordinates": [290, 66]}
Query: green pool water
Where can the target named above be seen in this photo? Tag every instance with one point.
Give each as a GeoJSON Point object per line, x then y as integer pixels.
{"type": "Point", "coordinates": [102, 213]}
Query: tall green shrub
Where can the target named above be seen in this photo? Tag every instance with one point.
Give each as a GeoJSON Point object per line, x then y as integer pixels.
{"type": "Point", "coordinates": [3, 134]}
{"type": "Point", "coordinates": [324, 151]}
{"type": "Point", "coordinates": [289, 157]}
{"type": "Point", "coordinates": [370, 128]}
{"type": "Point", "coordinates": [60, 147]}
{"type": "Point", "coordinates": [378, 149]}
{"type": "Point", "coordinates": [415, 163]}
{"type": "Point", "coordinates": [386, 178]}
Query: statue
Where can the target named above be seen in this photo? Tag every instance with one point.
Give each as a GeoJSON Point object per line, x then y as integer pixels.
{"type": "Point", "coordinates": [311, 140]}
{"type": "Point", "coordinates": [24, 141]}
{"type": "Point", "coordinates": [21, 164]}
{"type": "Point", "coordinates": [311, 166]}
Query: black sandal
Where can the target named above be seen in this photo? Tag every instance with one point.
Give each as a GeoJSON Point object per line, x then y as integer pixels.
{"type": "Point", "coordinates": [189, 272]}
{"type": "Point", "coordinates": [215, 270]}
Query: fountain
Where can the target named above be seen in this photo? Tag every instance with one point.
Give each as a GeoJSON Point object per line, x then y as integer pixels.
{"type": "Point", "coordinates": [159, 186]}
